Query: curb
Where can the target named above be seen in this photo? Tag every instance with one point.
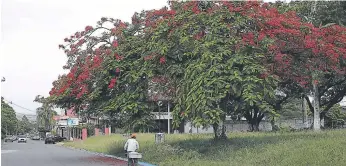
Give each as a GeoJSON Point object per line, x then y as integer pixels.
{"type": "Point", "coordinates": [104, 155]}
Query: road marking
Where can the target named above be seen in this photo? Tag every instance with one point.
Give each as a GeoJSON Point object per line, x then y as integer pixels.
{"type": "Point", "coordinates": [7, 151]}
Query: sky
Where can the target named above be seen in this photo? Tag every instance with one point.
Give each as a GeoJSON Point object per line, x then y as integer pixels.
{"type": "Point", "coordinates": [31, 31]}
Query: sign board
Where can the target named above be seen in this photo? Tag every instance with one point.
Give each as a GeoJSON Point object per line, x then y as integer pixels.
{"type": "Point", "coordinates": [162, 115]}
{"type": "Point", "coordinates": [73, 122]}
{"type": "Point", "coordinates": [62, 122]}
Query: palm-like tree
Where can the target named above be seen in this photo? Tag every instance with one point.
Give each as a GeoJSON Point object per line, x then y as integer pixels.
{"type": "Point", "coordinates": [44, 113]}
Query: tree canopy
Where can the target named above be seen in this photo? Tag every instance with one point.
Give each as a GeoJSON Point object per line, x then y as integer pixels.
{"type": "Point", "coordinates": [8, 119]}
{"type": "Point", "coordinates": [210, 59]}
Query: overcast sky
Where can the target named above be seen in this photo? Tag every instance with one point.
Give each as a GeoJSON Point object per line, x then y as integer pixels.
{"type": "Point", "coordinates": [31, 32]}
{"type": "Point", "coordinates": [33, 29]}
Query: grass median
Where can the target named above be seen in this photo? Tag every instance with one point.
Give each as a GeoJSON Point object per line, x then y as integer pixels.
{"type": "Point", "coordinates": [245, 149]}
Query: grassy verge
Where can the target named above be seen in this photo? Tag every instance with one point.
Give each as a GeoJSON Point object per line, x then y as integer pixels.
{"type": "Point", "coordinates": [269, 149]}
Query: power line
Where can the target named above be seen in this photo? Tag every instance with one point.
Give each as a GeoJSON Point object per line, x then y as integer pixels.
{"type": "Point", "coordinates": [10, 102]}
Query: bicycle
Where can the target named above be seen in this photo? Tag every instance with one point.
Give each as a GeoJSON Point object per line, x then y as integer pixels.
{"type": "Point", "coordinates": [134, 162]}
{"type": "Point", "coordinates": [133, 158]}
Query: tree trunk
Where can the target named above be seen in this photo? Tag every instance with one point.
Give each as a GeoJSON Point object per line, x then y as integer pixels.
{"type": "Point", "coordinates": [322, 121]}
{"type": "Point", "coordinates": [275, 127]}
{"type": "Point", "coordinates": [223, 127]}
{"type": "Point", "coordinates": [254, 118]}
{"type": "Point", "coordinates": [220, 130]}
{"type": "Point", "coordinates": [215, 128]}
{"type": "Point", "coordinates": [305, 113]}
{"type": "Point", "coordinates": [317, 119]}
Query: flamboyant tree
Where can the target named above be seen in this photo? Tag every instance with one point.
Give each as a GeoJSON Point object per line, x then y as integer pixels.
{"type": "Point", "coordinates": [211, 58]}
{"type": "Point", "coordinates": [318, 61]}
{"type": "Point", "coordinates": [332, 87]}
{"type": "Point", "coordinates": [106, 74]}
{"type": "Point", "coordinates": [300, 52]}
{"type": "Point", "coordinates": [212, 64]}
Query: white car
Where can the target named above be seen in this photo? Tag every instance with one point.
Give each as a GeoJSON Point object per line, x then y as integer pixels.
{"type": "Point", "coordinates": [22, 138]}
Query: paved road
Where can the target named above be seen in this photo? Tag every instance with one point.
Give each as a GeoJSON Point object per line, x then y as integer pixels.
{"type": "Point", "coordinates": [36, 153]}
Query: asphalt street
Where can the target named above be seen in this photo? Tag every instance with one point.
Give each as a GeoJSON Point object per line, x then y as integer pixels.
{"type": "Point", "coordinates": [36, 153]}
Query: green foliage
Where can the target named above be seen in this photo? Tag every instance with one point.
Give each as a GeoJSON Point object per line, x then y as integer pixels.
{"type": "Point", "coordinates": [291, 109]}
{"type": "Point", "coordinates": [335, 118]}
{"type": "Point", "coordinates": [8, 119]}
{"type": "Point", "coordinates": [25, 126]}
{"type": "Point", "coordinates": [45, 113]}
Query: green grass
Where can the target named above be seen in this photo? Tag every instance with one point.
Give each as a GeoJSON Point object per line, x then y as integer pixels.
{"type": "Point", "coordinates": [268, 149]}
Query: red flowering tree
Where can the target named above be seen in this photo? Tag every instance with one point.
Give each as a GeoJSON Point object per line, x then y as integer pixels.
{"type": "Point", "coordinates": [211, 63]}
{"type": "Point", "coordinates": [332, 87]}
{"type": "Point", "coordinates": [104, 73]}
{"type": "Point", "coordinates": [211, 58]}
{"type": "Point", "coordinates": [293, 50]}
{"type": "Point", "coordinates": [308, 55]}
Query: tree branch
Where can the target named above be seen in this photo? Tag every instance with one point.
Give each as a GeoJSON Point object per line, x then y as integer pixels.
{"type": "Point", "coordinates": [326, 89]}
{"type": "Point", "coordinates": [336, 99]}
{"type": "Point", "coordinates": [309, 103]}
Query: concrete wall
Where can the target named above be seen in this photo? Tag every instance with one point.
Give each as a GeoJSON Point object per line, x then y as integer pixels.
{"type": "Point", "coordinates": [232, 126]}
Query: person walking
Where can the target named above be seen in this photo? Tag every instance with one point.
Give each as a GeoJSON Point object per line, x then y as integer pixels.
{"type": "Point", "coordinates": [131, 145]}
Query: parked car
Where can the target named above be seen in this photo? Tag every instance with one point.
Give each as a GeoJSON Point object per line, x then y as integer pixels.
{"type": "Point", "coordinates": [36, 137]}
{"type": "Point", "coordinates": [58, 138]}
{"type": "Point", "coordinates": [22, 138]}
{"type": "Point", "coordinates": [49, 140]}
{"type": "Point", "coordinates": [15, 138]}
{"type": "Point", "coordinates": [9, 139]}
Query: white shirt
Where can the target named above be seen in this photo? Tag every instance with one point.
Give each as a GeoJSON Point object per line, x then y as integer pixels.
{"type": "Point", "coordinates": [131, 145]}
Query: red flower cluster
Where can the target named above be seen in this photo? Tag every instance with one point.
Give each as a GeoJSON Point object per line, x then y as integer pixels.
{"type": "Point", "coordinates": [118, 57]}
{"type": "Point", "coordinates": [115, 44]}
{"type": "Point", "coordinates": [193, 6]}
{"type": "Point", "coordinates": [154, 17]}
{"type": "Point", "coordinates": [88, 28]}
{"type": "Point", "coordinates": [163, 60]}
{"type": "Point", "coordinates": [199, 35]}
{"type": "Point", "coordinates": [323, 47]}
{"type": "Point", "coordinates": [112, 83]}
{"type": "Point", "coordinates": [117, 70]}
{"type": "Point", "coordinates": [148, 57]}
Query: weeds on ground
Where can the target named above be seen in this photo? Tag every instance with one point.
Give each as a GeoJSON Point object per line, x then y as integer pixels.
{"type": "Point", "coordinates": [295, 148]}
